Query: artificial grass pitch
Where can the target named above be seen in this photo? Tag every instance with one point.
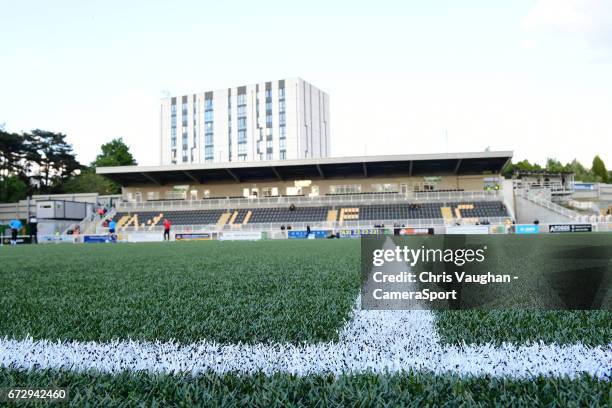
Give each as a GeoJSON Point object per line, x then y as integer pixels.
{"type": "Point", "coordinates": [298, 291]}
{"type": "Point", "coordinates": [269, 291]}
{"type": "Point", "coordinates": [284, 390]}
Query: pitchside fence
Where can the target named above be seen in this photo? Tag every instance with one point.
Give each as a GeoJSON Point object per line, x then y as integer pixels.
{"type": "Point", "coordinates": [354, 230]}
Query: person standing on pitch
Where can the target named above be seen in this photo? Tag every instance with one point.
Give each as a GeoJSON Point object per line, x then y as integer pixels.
{"type": "Point", "coordinates": [167, 229]}
{"type": "Point", "coordinates": [111, 229]}
{"type": "Point", "coordinates": [33, 230]}
{"type": "Point", "coordinates": [15, 227]}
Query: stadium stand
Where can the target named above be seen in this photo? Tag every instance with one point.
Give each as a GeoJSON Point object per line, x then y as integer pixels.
{"type": "Point", "coordinates": [286, 215]}
{"type": "Point", "coordinates": [472, 211]}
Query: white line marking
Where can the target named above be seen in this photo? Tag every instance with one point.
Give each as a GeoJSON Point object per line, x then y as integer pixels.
{"type": "Point", "coordinates": [376, 341]}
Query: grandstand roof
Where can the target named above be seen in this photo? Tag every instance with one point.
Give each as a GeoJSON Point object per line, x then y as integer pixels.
{"type": "Point", "coordinates": [328, 168]}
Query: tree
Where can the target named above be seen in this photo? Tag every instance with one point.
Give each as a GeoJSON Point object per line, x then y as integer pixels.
{"type": "Point", "coordinates": [12, 189]}
{"type": "Point", "coordinates": [599, 169]}
{"type": "Point", "coordinates": [114, 153]}
{"type": "Point", "coordinates": [581, 173]}
{"type": "Point", "coordinates": [554, 165]}
{"type": "Point", "coordinates": [90, 182]}
{"type": "Point", "coordinates": [52, 160]}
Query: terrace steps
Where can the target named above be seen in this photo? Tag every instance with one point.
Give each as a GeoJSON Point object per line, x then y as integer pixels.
{"type": "Point", "coordinates": [332, 215]}
{"type": "Point", "coordinates": [223, 219]}
{"type": "Point", "coordinates": [447, 213]}
{"type": "Point", "coordinates": [247, 217]}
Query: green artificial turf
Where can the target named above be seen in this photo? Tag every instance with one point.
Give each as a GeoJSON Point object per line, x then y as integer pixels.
{"type": "Point", "coordinates": [282, 390]}
{"type": "Point", "coordinates": [282, 291]}
{"type": "Point", "coordinates": [591, 328]}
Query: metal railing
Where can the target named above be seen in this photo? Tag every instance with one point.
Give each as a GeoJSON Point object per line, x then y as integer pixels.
{"type": "Point", "coordinates": [327, 200]}
{"type": "Point", "coordinates": [549, 204]}
{"type": "Point", "coordinates": [327, 225]}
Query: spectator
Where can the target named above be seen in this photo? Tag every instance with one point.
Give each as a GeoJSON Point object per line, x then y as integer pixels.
{"type": "Point", "coordinates": [15, 227]}
{"type": "Point", "coordinates": [167, 226]}
{"type": "Point", "coordinates": [292, 207]}
{"type": "Point", "coordinates": [307, 231]}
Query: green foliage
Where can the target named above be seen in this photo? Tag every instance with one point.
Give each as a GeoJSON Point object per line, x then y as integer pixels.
{"type": "Point", "coordinates": [282, 291]}
{"type": "Point", "coordinates": [599, 169]}
{"type": "Point", "coordinates": [90, 182]}
{"type": "Point", "coordinates": [51, 159]}
{"type": "Point", "coordinates": [114, 153]}
{"type": "Point", "coordinates": [410, 389]}
{"type": "Point", "coordinates": [12, 189]}
{"type": "Point", "coordinates": [521, 326]}
{"type": "Point", "coordinates": [597, 173]}
{"type": "Point", "coordinates": [581, 172]}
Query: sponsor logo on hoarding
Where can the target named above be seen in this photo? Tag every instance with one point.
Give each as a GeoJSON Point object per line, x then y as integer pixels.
{"type": "Point", "coordinates": [570, 228]}
{"type": "Point", "coordinates": [416, 231]}
{"type": "Point", "coordinates": [240, 236]}
{"type": "Point", "coordinates": [468, 229]}
{"type": "Point", "coordinates": [302, 234]}
{"type": "Point", "coordinates": [203, 236]}
{"type": "Point", "coordinates": [527, 229]}
{"type": "Point", "coordinates": [96, 239]}
{"type": "Point", "coordinates": [358, 232]}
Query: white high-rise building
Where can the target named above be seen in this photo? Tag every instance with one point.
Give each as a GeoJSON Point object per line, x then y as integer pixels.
{"type": "Point", "coordinates": [277, 120]}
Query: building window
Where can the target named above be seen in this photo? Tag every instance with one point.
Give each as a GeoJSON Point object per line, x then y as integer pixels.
{"type": "Point", "coordinates": [283, 155]}
{"type": "Point", "coordinates": [208, 139]}
{"type": "Point", "coordinates": [242, 157]}
{"type": "Point", "coordinates": [345, 189]}
{"type": "Point", "coordinates": [281, 119]}
{"type": "Point", "coordinates": [269, 156]}
{"type": "Point", "coordinates": [241, 99]}
{"type": "Point", "coordinates": [209, 153]}
{"type": "Point", "coordinates": [242, 136]}
{"type": "Point", "coordinates": [281, 93]}
{"type": "Point", "coordinates": [242, 110]}
{"type": "Point", "coordinates": [208, 116]}
{"type": "Point", "coordinates": [173, 121]}
{"type": "Point", "coordinates": [282, 132]}
{"type": "Point", "coordinates": [281, 105]}
{"type": "Point", "coordinates": [208, 104]}
{"type": "Point", "coordinates": [385, 188]}
{"type": "Point", "coordinates": [269, 121]}
{"type": "Point", "coordinates": [242, 147]}
{"type": "Point", "coordinates": [269, 106]}
{"type": "Point", "coordinates": [282, 144]}
{"type": "Point", "coordinates": [242, 124]}
{"type": "Point", "coordinates": [269, 144]}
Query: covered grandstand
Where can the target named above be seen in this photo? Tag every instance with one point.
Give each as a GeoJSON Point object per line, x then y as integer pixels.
{"type": "Point", "coordinates": [408, 190]}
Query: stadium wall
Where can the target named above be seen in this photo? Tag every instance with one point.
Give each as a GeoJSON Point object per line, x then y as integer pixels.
{"type": "Point", "coordinates": [527, 211]}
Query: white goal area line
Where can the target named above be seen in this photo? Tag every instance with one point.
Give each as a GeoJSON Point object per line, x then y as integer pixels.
{"type": "Point", "coordinates": [390, 341]}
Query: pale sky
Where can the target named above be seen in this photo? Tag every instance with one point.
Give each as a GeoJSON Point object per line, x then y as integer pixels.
{"type": "Point", "coordinates": [532, 76]}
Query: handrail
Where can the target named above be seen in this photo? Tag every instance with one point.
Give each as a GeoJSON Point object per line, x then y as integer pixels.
{"type": "Point", "coordinates": [549, 204]}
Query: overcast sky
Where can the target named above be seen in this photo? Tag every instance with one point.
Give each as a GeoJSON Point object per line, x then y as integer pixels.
{"type": "Point", "coordinates": [532, 76]}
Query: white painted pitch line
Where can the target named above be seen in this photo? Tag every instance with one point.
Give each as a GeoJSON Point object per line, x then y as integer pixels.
{"type": "Point", "coordinates": [376, 341]}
